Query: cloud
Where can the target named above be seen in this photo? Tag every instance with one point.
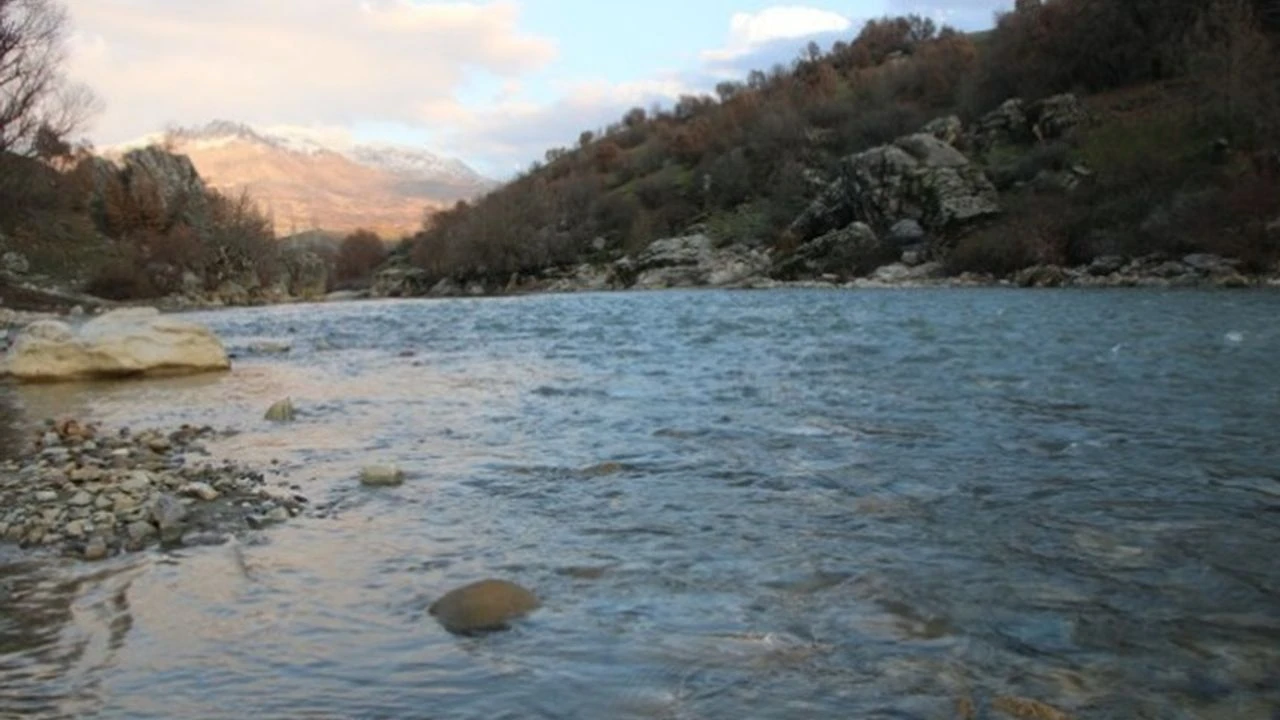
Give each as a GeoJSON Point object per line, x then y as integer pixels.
{"type": "Point", "coordinates": [514, 133]}
{"type": "Point", "coordinates": [323, 62]}
{"type": "Point", "coordinates": [750, 31]}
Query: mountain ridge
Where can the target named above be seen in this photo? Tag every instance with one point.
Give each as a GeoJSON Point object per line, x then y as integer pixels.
{"type": "Point", "coordinates": [307, 184]}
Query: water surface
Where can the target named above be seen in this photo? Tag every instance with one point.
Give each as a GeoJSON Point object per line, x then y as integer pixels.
{"type": "Point", "coordinates": [785, 504]}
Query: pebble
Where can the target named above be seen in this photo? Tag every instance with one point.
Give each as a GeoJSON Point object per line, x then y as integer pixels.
{"type": "Point", "coordinates": [80, 499]}
{"type": "Point", "coordinates": [95, 550]}
{"type": "Point", "coordinates": [92, 494]}
{"type": "Point", "coordinates": [204, 491]}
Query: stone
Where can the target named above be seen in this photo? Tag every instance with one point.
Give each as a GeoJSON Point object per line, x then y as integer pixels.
{"type": "Point", "coordinates": [203, 491]}
{"type": "Point", "coordinates": [1208, 264]}
{"type": "Point", "coordinates": [1056, 116]}
{"type": "Point", "coordinates": [168, 514]}
{"type": "Point", "coordinates": [1106, 265]}
{"type": "Point", "coordinates": [948, 129]}
{"type": "Point", "coordinates": [484, 606]}
{"type": "Point", "coordinates": [906, 232]}
{"type": "Point", "coordinates": [687, 261]}
{"type": "Point", "coordinates": [74, 529]}
{"type": "Point", "coordinates": [381, 476]}
{"type": "Point", "coordinates": [278, 514]}
{"type": "Point", "coordinates": [918, 177]}
{"type": "Point", "coordinates": [400, 282]}
{"type": "Point", "coordinates": [308, 274]}
{"type": "Point", "coordinates": [853, 250]}
{"type": "Point", "coordinates": [1041, 276]}
{"type": "Point", "coordinates": [139, 482]}
{"type": "Point", "coordinates": [86, 474]}
{"type": "Point", "coordinates": [140, 531]}
{"type": "Point", "coordinates": [121, 343]}
{"type": "Point", "coordinates": [159, 444]}
{"type": "Point", "coordinates": [270, 347]}
{"type": "Point", "coordinates": [81, 499]}
{"type": "Point", "coordinates": [95, 550]}
{"type": "Point", "coordinates": [14, 263]}
{"type": "Point", "coordinates": [46, 496]}
{"type": "Point", "coordinates": [281, 412]}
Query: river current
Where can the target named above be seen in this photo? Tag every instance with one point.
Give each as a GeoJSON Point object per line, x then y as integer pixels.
{"type": "Point", "coordinates": [782, 504]}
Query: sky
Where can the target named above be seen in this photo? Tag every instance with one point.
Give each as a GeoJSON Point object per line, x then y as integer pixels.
{"type": "Point", "coordinates": [493, 83]}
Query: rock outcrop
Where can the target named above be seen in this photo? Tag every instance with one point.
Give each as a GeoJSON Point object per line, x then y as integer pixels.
{"type": "Point", "coordinates": [122, 343]}
{"type": "Point", "coordinates": [692, 261]}
{"type": "Point", "coordinates": [919, 177]}
{"type": "Point", "coordinates": [397, 282]}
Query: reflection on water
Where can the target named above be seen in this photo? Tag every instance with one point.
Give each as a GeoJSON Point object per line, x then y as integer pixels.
{"type": "Point", "coordinates": [788, 505]}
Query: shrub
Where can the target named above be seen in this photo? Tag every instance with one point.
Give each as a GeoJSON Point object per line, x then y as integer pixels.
{"type": "Point", "coordinates": [358, 255]}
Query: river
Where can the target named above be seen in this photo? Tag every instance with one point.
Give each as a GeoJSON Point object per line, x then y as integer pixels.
{"type": "Point", "coordinates": [783, 504]}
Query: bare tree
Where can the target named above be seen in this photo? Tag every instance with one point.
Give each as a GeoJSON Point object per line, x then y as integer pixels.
{"type": "Point", "coordinates": [37, 102]}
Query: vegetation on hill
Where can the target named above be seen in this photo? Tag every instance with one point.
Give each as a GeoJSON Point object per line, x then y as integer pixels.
{"type": "Point", "coordinates": [1180, 155]}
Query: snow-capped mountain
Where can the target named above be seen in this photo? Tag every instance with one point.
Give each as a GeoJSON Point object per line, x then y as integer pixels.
{"type": "Point", "coordinates": [309, 181]}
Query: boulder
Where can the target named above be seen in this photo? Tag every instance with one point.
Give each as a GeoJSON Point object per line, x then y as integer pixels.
{"type": "Point", "coordinates": [308, 275]}
{"type": "Point", "coordinates": [1041, 276]}
{"type": "Point", "coordinates": [381, 476]}
{"type": "Point", "coordinates": [854, 250]}
{"type": "Point", "coordinates": [1006, 124]}
{"type": "Point", "coordinates": [906, 232]}
{"type": "Point", "coordinates": [400, 282]}
{"type": "Point", "coordinates": [1106, 265]}
{"type": "Point", "coordinates": [154, 175]}
{"type": "Point", "coordinates": [918, 177]}
{"type": "Point", "coordinates": [691, 261]}
{"type": "Point", "coordinates": [121, 343]}
{"type": "Point", "coordinates": [14, 263]}
{"type": "Point", "coordinates": [281, 412]}
{"type": "Point", "coordinates": [1213, 265]}
{"type": "Point", "coordinates": [1056, 116]}
{"type": "Point", "coordinates": [483, 606]}
{"type": "Point", "coordinates": [948, 129]}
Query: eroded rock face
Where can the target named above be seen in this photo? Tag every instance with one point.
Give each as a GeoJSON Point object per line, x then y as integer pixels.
{"type": "Point", "coordinates": [121, 343]}
{"type": "Point", "coordinates": [918, 177]}
{"type": "Point", "coordinates": [694, 261]}
{"type": "Point", "coordinates": [484, 606]}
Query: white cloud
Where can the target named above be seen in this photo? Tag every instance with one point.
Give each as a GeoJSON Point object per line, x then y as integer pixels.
{"type": "Point", "coordinates": [514, 133]}
{"type": "Point", "coordinates": [322, 62]}
{"type": "Point", "coordinates": [750, 31]}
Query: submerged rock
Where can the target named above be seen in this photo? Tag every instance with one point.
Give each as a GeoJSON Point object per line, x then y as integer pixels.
{"type": "Point", "coordinates": [483, 606]}
{"type": "Point", "coordinates": [282, 411]}
{"type": "Point", "coordinates": [381, 476]}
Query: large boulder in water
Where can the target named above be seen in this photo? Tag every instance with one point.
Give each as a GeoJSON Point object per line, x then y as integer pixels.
{"type": "Point", "coordinates": [122, 343]}
{"type": "Point", "coordinates": [483, 606]}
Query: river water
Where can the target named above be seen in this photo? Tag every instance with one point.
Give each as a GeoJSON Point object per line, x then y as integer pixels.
{"type": "Point", "coordinates": [784, 504]}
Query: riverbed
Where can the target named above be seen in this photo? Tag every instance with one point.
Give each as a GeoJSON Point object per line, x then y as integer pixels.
{"type": "Point", "coordinates": [782, 504]}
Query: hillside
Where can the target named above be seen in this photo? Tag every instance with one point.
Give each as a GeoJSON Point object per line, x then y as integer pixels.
{"type": "Point", "coordinates": [305, 185]}
{"type": "Point", "coordinates": [850, 158]}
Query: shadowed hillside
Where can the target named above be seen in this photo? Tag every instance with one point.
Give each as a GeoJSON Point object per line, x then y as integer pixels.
{"type": "Point", "coordinates": [1167, 145]}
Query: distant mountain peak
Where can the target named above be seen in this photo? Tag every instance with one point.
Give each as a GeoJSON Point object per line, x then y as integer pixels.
{"type": "Point", "coordinates": [311, 184]}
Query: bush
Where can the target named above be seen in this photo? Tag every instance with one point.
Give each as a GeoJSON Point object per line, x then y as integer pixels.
{"type": "Point", "coordinates": [1034, 230]}
{"type": "Point", "coordinates": [358, 255]}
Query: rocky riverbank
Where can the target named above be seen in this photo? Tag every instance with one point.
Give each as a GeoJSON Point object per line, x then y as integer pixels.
{"type": "Point", "coordinates": [695, 261]}
{"type": "Point", "coordinates": [82, 491]}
